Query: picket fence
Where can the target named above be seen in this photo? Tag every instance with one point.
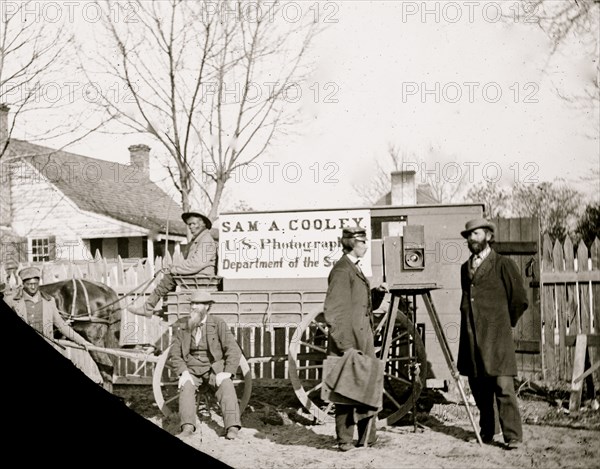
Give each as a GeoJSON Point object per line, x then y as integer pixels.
{"type": "Point", "coordinates": [570, 283]}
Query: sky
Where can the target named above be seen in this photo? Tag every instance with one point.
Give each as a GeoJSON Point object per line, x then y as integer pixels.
{"type": "Point", "coordinates": [445, 75]}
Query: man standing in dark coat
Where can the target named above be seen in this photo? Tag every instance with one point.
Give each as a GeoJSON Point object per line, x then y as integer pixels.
{"type": "Point", "coordinates": [493, 300]}
{"type": "Point", "coordinates": [348, 311]}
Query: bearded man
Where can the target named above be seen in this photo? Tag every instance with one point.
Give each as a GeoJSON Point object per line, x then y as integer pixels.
{"type": "Point", "coordinates": [493, 300]}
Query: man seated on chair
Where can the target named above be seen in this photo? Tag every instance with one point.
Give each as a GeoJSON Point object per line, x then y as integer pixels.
{"type": "Point", "coordinates": [38, 309]}
{"type": "Point", "coordinates": [201, 259]}
{"type": "Point", "coordinates": [205, 351]}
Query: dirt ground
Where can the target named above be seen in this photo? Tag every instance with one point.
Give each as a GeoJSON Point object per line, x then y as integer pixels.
{"type": "Point", "coordinates": [277, 434]}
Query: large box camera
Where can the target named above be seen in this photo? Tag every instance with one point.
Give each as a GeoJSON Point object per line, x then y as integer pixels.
{"type": "Point", "coordinates": [404, 259]}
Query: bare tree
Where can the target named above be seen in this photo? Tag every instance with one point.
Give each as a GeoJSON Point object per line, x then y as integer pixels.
{"type": "Point", "coordinates": [35, 54]}
{"type": "Point", "coordinates": [495, 198]}
{"type": "Point", "coordinates": [213, 87]}
{"type": "Point", "coordinates": [576, 22]}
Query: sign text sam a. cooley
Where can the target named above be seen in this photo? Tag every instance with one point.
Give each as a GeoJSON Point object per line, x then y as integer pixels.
{"type": "Point", "coordinates": [302, 244]}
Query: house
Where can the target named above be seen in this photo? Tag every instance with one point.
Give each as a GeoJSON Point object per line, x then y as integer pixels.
{"type": "Point", "coordinates": [57, 205]}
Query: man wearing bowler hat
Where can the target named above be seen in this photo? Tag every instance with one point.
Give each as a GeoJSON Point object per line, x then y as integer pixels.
{"type": "Point", "coordinates": [201, 259]}
{"type": "Point", "coordinates": [38, 309]}
{"type": "Point", "coordinates": [348, 311]}
{"type": "Point", "coordinates": [205, 351]}
{"type": "Point", "coordinates": [493, 300]}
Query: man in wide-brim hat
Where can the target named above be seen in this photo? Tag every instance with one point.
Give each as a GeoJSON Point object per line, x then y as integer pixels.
{"type": "Point", "coordinates": [205, 351]}
{"type": "Point", "coordinates": [493, 300]}
{"type": "Point", "coordinates": [201, 259]}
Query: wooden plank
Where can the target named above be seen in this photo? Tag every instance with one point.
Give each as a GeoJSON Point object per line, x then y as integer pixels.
{"type": "Point", "coordinates": [133, 380]}
{"type": "Point", "coordinates": [528, 328]}
{"type": "Point", "coordinates": [528, 347]}
{"type": "Point", "coordinates": [258, 345]}
{"type": "Point", "coordinates": [280, 349]}
{"type": "Point", "coordinates": [571, 277]}
{"type": "Point", "coordinates": [561, 305]}
{"type": "Point", "coordinates": [584, 289]}
{"type": "Point", "coordinates": [573, 316]}
{"type": "Point", "coordinates": [548, 316]}
{"type": "Point", "coordinates": [517, 247]}
{"type": "Point", "coordinates": [595, 314]}
{"type": "Point", "coordinates": [578, 369]}
{"type": "Point", "coordinates": [267, 351]}
{"type": "Point", "coordinates": [593, 340]}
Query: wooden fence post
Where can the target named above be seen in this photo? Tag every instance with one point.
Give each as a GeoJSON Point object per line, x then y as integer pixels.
{"type": "Point", "coordinates": [595, 352]}
{"type": "Point", "coordinates": [548, 315]}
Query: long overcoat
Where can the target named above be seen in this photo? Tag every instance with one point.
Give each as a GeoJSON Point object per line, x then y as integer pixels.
{"type": "Point", "coordinates": [493, 300]}
{"type": "Point", "coordinates": [348, 309]}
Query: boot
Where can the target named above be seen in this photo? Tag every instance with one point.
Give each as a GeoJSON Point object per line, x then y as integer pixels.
{"type": "Point", "coordinates": [232, 433]}
{"type": "Point", "coordinates": [187, 429]}
{"type": "Point", "coordinates": [141, 310]}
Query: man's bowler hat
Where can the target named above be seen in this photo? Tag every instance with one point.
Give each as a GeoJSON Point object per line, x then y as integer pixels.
{"type": "Point", "coordinates": [472, 225]}
{"type": "Point", "coordinates": [201, 297]}
{"type": "Point", "coordinates": [29, 273]}
{"type": "Point", "coordinates": [355, 232]}
{"type": "Point", "coordinates": [204, 218]}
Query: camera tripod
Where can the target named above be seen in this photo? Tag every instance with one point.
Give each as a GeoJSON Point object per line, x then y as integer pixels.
{"type": "Point", "coordinates": [424, 291]}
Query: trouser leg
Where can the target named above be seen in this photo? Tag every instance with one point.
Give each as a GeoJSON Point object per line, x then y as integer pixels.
{"type": "Point", "coordinates": [228, 402]}
{"type": "Point", "coordinates": [187, 404]}
{"type": "Point", "coordinates": [165, 285]}
{"type": "Point", "coordinates": [508, 408]}
{"type": "Point", "coordinates": [483, 392]}
{"type": "Point", "coordinates": [344, 423]}
{"type": "Point", "coordinates": [362, 425]}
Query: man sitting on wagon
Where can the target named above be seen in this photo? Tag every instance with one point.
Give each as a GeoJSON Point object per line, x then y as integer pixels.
{"type": "Point", "coordinates": [201, 259]}
{"type": "Point", "coordinates": [205, 351]}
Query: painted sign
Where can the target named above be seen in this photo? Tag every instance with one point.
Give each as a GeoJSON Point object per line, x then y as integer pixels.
{"type": "Point", "coordinates": [286, 245]}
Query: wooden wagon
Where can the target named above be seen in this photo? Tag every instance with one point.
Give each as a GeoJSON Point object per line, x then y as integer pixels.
{"type": "Point", "coordinates": [279, 325]}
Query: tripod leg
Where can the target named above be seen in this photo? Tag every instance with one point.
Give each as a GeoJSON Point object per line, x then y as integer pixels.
{"type": "Point", "coordinates": [433, 316]}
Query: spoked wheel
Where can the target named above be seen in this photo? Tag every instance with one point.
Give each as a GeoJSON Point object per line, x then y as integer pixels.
{"type": "Point", "coordinates": [399, 389]}
{"type": "Point", "coordinates": [164, 385]}
{"type": "Point", "coordinates": [308, 350]}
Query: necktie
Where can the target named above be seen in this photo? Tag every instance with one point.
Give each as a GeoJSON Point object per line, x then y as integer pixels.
{"type": "Point", "coordinates": [198, 335]}
{"type": "Point", "coordinates": [476, 262]}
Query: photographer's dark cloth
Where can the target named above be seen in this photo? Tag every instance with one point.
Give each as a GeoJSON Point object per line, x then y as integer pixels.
{"type": "Point", "coordinates": [357, 377]}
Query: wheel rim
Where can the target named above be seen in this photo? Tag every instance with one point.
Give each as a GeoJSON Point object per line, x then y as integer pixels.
{"type": "Point", "coordinates": [307, 351]}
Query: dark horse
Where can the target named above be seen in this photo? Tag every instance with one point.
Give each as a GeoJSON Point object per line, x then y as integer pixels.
{"type": "Point", "coordinates": [93, 310]}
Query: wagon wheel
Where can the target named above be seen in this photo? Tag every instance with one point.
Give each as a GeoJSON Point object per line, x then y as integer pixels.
{"type": "Point", "coordinates": [308, 349]}
{"type": "Point", "coordinates": [165, 391]}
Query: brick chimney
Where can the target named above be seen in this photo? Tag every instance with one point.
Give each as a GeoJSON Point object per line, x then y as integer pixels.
{"type": "Point", "coordinates": [3, 123]}
{"type": "Point", "coordinates": [139, 156]}
{"type": "Point", "coordinates": [404, 188]}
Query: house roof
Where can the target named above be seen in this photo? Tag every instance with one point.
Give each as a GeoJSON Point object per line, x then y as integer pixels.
{"type": "Point", "coordinates": [104, 187]}
{"type": "Point", "coordinates": [424, 196]}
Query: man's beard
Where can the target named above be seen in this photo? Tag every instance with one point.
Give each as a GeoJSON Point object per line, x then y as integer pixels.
{"type": "Point", "coordinates": [476, 247]}
{"type": "Point", "coordinates": [195, 319]}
